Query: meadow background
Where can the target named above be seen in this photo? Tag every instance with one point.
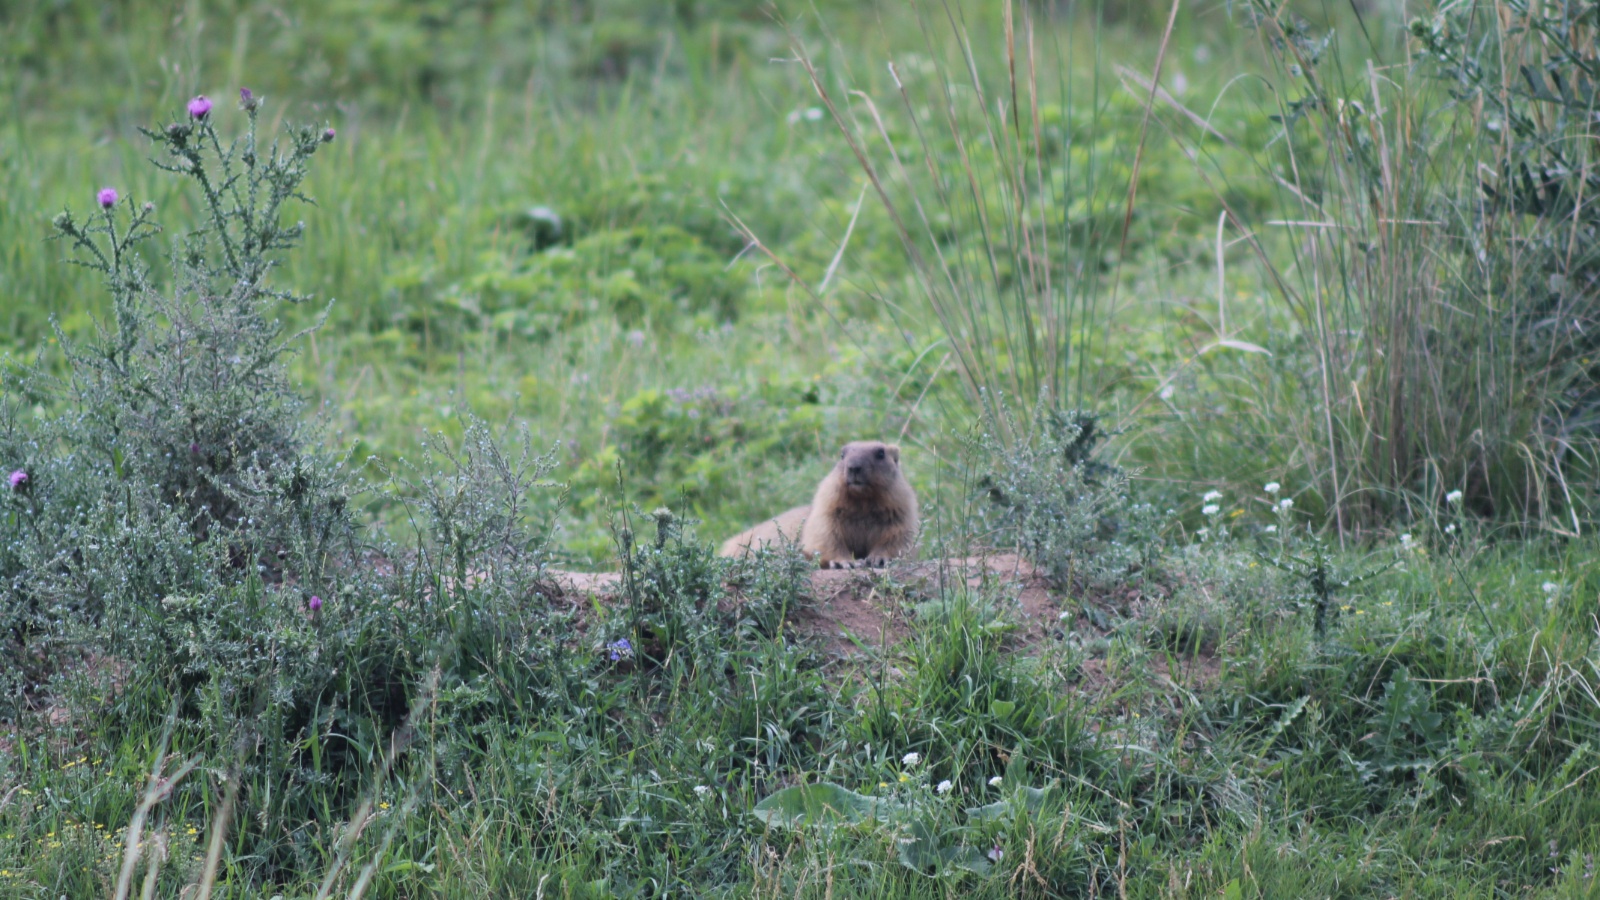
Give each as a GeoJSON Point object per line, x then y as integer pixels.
{"type": "Point", "coordinates": [675, 255]}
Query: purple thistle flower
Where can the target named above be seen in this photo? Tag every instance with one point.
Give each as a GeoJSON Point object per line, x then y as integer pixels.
{"type": "Point", "coordinates": [245, 96]}
{"type": "Point", "coordinates": [327, 136]}
{"type": "Point", "coordinates": [19, 478]}
{"type": "Point", "coordinates": [194, 448]}
{"type": "Point", "coordinates": [621, 649]}
{"type": "Point", "coordinates": [199, 107]}
{"type": "Point", "coordinates": [107, 197]}
{"type": "Point", "coordinates": [315, 603]}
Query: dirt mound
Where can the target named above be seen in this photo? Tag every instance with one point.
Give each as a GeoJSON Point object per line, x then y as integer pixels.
{"type": "Point", "coordinates": [853, 610]}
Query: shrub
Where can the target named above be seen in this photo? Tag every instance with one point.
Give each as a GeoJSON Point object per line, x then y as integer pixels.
{"type": "Point", "coordinates": [1047, 494]}
{"type": "Point", "coordinates": [174, 462]}
{"type": "Point", "coordinates": [174, 513]}
{"type": "Point", "coordinates": [1433, 250]}
{"type": "Point", "coordinates": [1525, 81]}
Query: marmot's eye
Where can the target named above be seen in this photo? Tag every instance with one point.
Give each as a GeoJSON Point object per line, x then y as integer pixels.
{"type": "Point", "coordinates": [879, 454]}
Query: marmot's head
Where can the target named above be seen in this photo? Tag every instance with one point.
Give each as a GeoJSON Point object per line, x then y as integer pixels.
{"type": "Point", "coordinates": [868, 466]}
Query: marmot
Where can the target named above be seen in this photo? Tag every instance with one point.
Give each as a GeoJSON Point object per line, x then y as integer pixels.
{"type": "Point", "coordinates": [863, 514]}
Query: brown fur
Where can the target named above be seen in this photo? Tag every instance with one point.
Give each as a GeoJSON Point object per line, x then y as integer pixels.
{"type": "Point", "coordinates": [785, 529]}
{"type": "Point", "coordinates": [866, 513]}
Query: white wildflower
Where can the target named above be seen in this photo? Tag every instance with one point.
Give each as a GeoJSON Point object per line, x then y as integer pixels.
{"type": "Point", "coordinates": [1550, 587]}
{"type": "Point", "coordinates": [995, 781]}
{"type": "Point", "coordinates": [1273, 487]}
{"type": "Point", "coordinates": [1453, 498]}
{"type": "Point", "coordinates": [944, 786]}
{"type": "Point", "coordinates": [910, 759]}
{"type": "Point", "coordinates": [1286, 504]}
{"type": "Point", "coordinates": [1271, 529]}
{"type": "Point", "coordinates": [1212, 496]}
{"type": "Point", "coordinates": [995, 853]}
{"type": "Point", "coordinates": [701, 790]}
{"type": "Point", "coordinates": [1210, 510]}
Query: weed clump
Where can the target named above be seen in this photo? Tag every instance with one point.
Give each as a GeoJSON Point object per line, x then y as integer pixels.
{"type": "Point", "coordinates": [1068, 511]}
{"type": "Point", "coordinates": [172, 471]}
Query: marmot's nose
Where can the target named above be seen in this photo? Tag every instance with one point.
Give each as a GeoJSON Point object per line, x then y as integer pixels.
{"type": "Point", "coordinates": [855, 471]}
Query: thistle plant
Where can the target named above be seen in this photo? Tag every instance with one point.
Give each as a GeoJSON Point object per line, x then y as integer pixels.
{"type": "Point", "coordinates": [1066, 509]}
{"type": "Point", "coordinates": [186, 390]}
{"type": "Point", "coordinates": [1312, 564]}
{"type": "Point", "coordinates": [177, 465]}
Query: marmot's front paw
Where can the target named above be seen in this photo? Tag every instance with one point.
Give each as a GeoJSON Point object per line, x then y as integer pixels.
{"type": "Point", "coordinates": [871, 562]}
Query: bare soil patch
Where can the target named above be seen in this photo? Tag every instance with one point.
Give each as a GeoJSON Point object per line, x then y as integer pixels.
{"type": "Point", "coordinates": [852, 612]}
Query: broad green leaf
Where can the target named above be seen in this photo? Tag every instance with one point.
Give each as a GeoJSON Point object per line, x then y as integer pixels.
{"type": "Point", "coordinates": [823, 804]}
{"type": "Point", "coordinates": [922, 853]}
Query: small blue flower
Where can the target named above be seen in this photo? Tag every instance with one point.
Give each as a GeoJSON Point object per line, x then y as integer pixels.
{"type": "Point", "coordinates": [621, 649]}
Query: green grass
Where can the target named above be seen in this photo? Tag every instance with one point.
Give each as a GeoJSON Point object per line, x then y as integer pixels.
{"type": "Point", "coordinates": [1204, 740]}
{"type": "Point", "coordinates": [437, 305]}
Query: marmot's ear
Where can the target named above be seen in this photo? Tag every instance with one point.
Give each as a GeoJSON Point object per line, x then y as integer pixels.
{"type": "Point", "coordinates": [894, 452]}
